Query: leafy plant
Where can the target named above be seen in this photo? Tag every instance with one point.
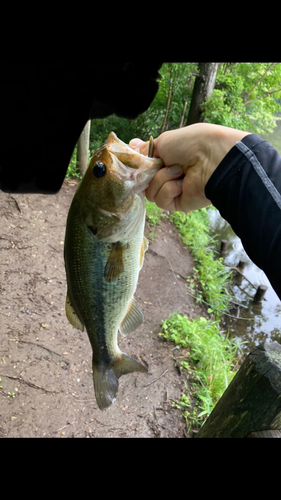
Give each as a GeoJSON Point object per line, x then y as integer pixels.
{"type": "Point", "coordinates": [209, 361]}
{"type": "Point", "coordinates": [154, 214]}
{"type": "Point", "coordinates": [72, 167]}
{"type": "Point", "coordinates": [211, 278]}
{"type": "Point", "coordinates": [246, 96]}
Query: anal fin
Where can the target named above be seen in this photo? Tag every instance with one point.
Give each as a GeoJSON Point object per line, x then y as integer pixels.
{"type": "Point", "coordinates": [133, 319]}
{"type": "Point", "coordinates": [71, 314]}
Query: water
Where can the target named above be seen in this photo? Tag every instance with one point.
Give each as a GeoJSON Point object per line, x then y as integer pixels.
{"type": "Point", "coordinates": [254, 323]}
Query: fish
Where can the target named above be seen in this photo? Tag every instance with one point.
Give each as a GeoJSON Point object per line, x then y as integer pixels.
{"type": "Point", "coordinates": [104, 252]}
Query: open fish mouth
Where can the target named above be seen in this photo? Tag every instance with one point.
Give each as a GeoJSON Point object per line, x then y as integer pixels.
{"type": "Point", "coordinates": [137, 179]}
{"type": "Point", "coordinates": [131, 165]}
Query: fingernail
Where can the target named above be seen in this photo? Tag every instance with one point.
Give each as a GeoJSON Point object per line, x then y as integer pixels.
{"type": "Point", "coordinates": [179, 182]}
{"type": "Point", "coordinates": [175, 170]}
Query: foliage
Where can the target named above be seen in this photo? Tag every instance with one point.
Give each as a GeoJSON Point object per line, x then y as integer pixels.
{"type": "Point", "coordinates": [211, 278]}
{"type": "Point", "coordinates": [210, 356]}
{"type": "Point", "coordinates": [246, 96]}
{"type": "Point", "coordinates": [154, 214]}
{"type": "Point", "coordinates": [175, 76]}
{"type": "Point", "coordinates": [209, 361]}
{"type": "Point", "coordinates": [72, 170]}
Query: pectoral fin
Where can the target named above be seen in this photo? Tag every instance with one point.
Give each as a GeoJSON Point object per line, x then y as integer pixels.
{"type": "Point", "coordinates": [144, 247]}
{"type": "Point", "coordinates": [133, 319]}
{"type": "Point", "coordinates": [115, 262]}
{"type": "Point", "coordinates": [71, 315]}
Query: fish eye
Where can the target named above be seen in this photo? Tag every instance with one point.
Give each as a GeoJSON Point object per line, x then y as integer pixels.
{"type": "Point", "coordinates": [99, 169]}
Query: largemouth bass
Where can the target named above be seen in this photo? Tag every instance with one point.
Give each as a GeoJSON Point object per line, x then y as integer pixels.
{"type": "Point", "coordinates": [104, 252]}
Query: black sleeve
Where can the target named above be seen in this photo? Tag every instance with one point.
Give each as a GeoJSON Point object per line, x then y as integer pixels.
{"type": "Point", "coordinates": [246, 189]}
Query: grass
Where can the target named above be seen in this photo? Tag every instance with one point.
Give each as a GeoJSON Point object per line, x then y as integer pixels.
{"type": "Point", "coordinates": [211, 278]}
{"type": "Point", "coordinates": [154, 215]}
{"type": "Point", "coordinates": [209, 360]}
{"type": "Point", "coordinates": [208, 357]}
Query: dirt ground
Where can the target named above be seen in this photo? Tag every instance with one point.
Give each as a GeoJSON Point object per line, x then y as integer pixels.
{"type": "Point", "coordinates": [46, 387]}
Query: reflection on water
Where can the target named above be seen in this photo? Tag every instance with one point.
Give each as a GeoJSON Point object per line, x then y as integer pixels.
{"type": "Point", "coordinates": [255, 323]}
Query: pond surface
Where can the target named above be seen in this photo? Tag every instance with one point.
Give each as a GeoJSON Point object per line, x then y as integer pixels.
{"type": "Point", "coordinates": [251, 322]}
{"type": "Point", "coordinates": [254, 323]}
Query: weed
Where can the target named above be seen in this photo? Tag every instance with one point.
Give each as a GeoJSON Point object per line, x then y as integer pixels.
{"type": "Point", "coordinates": [154, 214]}
{"type": "Point", "coordinates": [211, 278]}
{"type": "Point", "coordinates": [72, 167]}
{"type": "Point", "coordinates": [210, 363]}
{"type": "Point", "coordinates": [210, 358]}
{"type": "Point", "coordinates": [11, 394]}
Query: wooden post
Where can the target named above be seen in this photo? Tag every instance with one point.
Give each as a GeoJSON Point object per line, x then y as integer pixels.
{"type": "Point", "coordinates": [241, 265]}
{"type": "Point", "coordinates": [238, 276]}
{"type": "Point", "coordinates": [252, 401]}
{"type": "Point", "coordinates": [223, 247]}
{"type": "Point", "coordinates": [260, 293]}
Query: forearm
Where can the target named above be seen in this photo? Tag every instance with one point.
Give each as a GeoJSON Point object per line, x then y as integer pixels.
{"type": "Point", "coordinates": [246, 189]}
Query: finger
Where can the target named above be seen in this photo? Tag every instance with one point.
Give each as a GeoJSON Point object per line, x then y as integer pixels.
{"type": "Point", "coordinates": [139, 146]}
{"type": "Point", "coordinates": [169, 192]}
{"type": "Point", "coordinates": [163, 176]}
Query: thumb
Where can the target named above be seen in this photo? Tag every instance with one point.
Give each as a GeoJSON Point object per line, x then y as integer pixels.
{"type": "Point", "coordinates": [139, 146]}
{"type": "Point", "coordinates": [135, 143]}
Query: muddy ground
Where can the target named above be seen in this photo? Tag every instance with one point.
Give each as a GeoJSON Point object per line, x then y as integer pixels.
{"type": "Point", "coordinates": [46, 387]}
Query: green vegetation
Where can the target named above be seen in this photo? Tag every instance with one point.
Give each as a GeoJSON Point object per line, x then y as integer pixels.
{"type": "Point", "coordinates": [210, 357]}
{"type": "Point", "coordinates": [211, 277]}
{"type": "Point", "coordinates": [246, 96]}
{"type": "Point", "coordinates": [11, 394]}
{"type": "Point", "coordinates": [72, 168]}
{"type": "Point", "coordinates": [209, 361]}
{"type": "Point", "coordinates": [154, 215]}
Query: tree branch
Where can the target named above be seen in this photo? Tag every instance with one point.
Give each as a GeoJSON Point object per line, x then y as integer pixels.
{"type": "Point", "coordinates": [272, 91]}
{"type": "Point", "coordinates": [257, 83]}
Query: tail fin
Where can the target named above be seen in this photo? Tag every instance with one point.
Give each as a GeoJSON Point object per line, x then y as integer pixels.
{"type": "Point", "coordinates": [106, 378]}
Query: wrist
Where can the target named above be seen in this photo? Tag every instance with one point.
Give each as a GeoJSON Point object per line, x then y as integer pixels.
{"type": "Point", "coordinates": [219, 141]}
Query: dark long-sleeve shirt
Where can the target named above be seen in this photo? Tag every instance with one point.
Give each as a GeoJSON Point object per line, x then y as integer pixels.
{"type": "Point", "coordinates": [246, 189]}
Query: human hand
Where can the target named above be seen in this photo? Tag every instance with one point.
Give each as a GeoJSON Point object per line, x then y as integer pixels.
{"type": "Point", "coordinates": [194, 151]}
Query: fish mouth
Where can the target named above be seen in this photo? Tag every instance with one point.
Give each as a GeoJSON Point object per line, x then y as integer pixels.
{"type": "Point", "coordinates": [143, 178]}
{"type": "Point", "coordinates": [132, 168]}
{"type": "Point", "coordinates": [135, 170]}
{"type": "Point", "coordinates": [137, 179]}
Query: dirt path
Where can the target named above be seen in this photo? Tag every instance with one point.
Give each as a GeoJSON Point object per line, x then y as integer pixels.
{"type": "Point", "coordinates": [45, 364]}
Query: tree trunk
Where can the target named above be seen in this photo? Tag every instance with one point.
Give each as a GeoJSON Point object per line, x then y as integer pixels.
{"type": "Point", "coordinates": [164, 124]}
{"type": "Point", "coordinates": [203, 86]}
{"type": "Point", "coordinates": [252, 402]}
{"type": "Point", "coordinates": [83, 147]}
{"type": "Point", "coordinates": [183, 113]}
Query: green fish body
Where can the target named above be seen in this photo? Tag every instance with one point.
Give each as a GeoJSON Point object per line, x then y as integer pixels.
{"type": "Point", "coordinates": [104, 252]}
